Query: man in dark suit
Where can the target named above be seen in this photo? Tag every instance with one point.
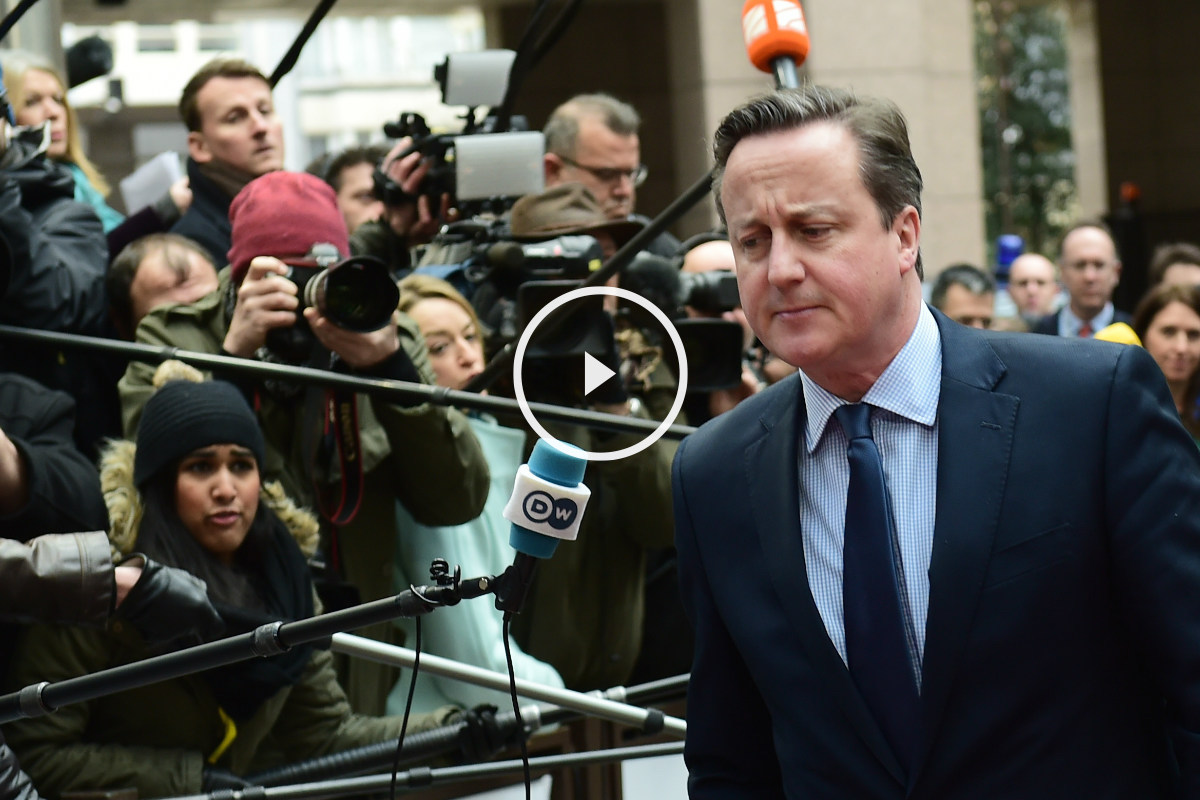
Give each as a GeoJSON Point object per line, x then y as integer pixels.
{"type": "Point", "coordinates": [1091, 270]}
{"type": "Point", "coordinates": [938, 562]}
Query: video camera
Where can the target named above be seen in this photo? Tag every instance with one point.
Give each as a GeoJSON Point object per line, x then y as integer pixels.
{"type": "Point", "coordinates": [479, 173]}
{"type": "Point", "coordinates": [508, 282]}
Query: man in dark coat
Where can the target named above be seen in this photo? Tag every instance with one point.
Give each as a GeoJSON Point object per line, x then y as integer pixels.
{"type": "Point", "coordinates": [937, 562]}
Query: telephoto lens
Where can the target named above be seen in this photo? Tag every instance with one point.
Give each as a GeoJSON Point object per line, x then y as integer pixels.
{"type": "Point", "coordinates": [357, 294]}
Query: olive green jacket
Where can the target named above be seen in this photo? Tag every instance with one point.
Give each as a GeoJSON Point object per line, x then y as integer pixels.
{"type": "Point", "coordinates": [426, 456]}
{"type": "Point", "coordinates": [159, 737]}
{"type": "Point", "coordinates": [584, 612]}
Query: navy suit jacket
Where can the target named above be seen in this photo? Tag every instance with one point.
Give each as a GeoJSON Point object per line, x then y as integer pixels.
{"type": "Point", "coordinates": [1062, 648]}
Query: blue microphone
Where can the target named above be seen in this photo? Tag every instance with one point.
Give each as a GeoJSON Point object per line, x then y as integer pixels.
{"type": "Point", "coordinates": [545, 508]}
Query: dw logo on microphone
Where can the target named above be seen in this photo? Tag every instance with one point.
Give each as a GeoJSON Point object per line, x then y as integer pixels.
{"type": "Point", "coordinates": [542, 508]}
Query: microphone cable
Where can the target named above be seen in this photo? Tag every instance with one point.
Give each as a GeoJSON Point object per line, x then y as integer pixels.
{"type": "Point", "coordinates": [412, 688]}
{"type": "Point", "coordinates": [512, 692]}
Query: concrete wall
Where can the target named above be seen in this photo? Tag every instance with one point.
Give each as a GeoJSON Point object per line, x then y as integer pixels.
{"type": "Point", "coordinates": [683, 64]}
{"type": "Point", "coordinates": [919, 53]}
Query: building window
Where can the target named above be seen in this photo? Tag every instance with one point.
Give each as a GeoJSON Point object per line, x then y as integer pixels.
{"type": "Point", "coordinates": [218, 39]}
{"type": "Point", "coordinates": [156, 39]}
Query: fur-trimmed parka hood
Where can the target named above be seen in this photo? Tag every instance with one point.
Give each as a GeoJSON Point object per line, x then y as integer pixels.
{"type": "Point", "coordinates": [125, 503]}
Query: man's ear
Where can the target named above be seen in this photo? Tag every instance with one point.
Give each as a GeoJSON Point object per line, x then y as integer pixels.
{"type": "Point", "coordinates": [553, 166]}
{"type": "Point", "coordinates": [198, 147]}
{"type": "Point", "coordinates": [1117, 271]}
{"type": "Point", "coordinates": [907, 228]}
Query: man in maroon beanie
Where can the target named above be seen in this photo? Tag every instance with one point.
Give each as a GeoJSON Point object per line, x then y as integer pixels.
{"type": "Point", "coordinates": [423, 456]}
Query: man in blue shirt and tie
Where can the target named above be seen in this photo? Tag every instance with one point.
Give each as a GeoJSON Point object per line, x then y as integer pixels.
{"type": "Point", "coordinates": [1090, 271]}
{"type": "Point", "coordinates": [937, 562]}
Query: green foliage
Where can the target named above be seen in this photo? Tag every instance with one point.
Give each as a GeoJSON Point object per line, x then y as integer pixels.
{"type": "Point", "coordinates": [1028, 162]}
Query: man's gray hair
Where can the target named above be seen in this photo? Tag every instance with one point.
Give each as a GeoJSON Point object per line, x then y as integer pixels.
{"type": "Point", "coordinates": [886, 164]}
{"type": "Point", "coordinates": [562, 129]}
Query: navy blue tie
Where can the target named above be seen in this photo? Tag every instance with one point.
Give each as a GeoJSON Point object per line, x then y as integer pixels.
{"type": "Point", "coordinates": [877, 648]}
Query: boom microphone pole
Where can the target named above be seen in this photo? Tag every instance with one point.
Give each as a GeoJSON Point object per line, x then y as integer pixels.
{"type": "Point", "coordinates": [14, 16]}
{"type": "Point", "coordinates": [424, 777]}
{"type": "Point", "coordinates": [396, 390]}
{"type": "Point", "coordinates": [478, 740]}
{"type": "Point", "coordinates": [293, 54]}
{"type": "Point", "coordinates": [647, 720]}
{"type": "Point", "coordinates": [503, 359]}
{"type": "Point", "coordinates": [266, 640]}
{"type": "Point", "coordinates": [499, 730]}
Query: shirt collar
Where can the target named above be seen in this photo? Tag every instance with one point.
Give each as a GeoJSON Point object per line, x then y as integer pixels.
{"type": "Point", "coordinates": [1074, 323]}
{"type": "Point", "coordinates": [909, 387]}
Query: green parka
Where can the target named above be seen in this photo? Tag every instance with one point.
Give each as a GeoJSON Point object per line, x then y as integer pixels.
{"type": "Point", "coordinates": [159, 737]}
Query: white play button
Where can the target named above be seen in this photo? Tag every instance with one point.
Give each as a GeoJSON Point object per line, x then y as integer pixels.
{"type": "Point", "coordinates": [594, 373]}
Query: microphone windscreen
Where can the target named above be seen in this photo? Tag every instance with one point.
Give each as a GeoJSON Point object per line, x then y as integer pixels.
{"type": "Point", "coordinates": [656, 279]}
{"type": "Point", "coordinates": [506, 255]}
{"type": "Point", "coordinates": [774, 29]}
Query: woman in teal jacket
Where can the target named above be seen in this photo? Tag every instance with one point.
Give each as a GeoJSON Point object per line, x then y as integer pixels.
{"type": "Point", "coordinates": [470, 632]}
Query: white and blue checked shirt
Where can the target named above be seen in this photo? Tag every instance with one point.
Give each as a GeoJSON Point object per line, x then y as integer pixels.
{"type": "Point", "coordinates": [904, 426]}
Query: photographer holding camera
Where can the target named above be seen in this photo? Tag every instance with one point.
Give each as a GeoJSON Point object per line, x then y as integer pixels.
{"type": "Point", "coordinates": [408, 217]}
{"type": "Point", "coordinates": [584, 614]}
{"type": "Point", "coordinates": [284, 227]}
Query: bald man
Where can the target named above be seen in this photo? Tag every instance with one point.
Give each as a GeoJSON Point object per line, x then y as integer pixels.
{"type": "Point", "coordinates": [1090, 269]}
{"type": "Point", "coordinates": [1032, 285]}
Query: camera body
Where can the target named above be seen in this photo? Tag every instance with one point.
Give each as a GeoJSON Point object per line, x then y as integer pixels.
{"type": "Point", "coordinates": [356, 294]}
{"type": "Point", "coordinates": [479, 173]}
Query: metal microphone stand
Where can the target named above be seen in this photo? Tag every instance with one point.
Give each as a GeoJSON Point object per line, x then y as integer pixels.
{"type": "Point", "coordinates": [643, 719]}
{"type": "Point", "coordinates": [267, 640]}
{"type": "Point", "coordinates": [424, 777]}
{"type": "Point", "coordinates": [494, 730]}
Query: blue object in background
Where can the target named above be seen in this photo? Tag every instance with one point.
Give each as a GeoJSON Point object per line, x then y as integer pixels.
{"type": "Point", "coordinates": [1008, 247]}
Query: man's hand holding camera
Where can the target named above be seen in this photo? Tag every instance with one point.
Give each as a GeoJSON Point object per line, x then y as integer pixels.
{"type": "Point", "coordinates": [265, 300]}
{"type": "Point", "coordinates": [414, 221]}
{"type": "Point", "coordinates": [268, 299]}
{"type": "Point", "coordinates": [359, 350]}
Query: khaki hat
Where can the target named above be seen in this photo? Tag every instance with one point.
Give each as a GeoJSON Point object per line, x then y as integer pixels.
{"type": "Point", "coordinates": [568, 208]}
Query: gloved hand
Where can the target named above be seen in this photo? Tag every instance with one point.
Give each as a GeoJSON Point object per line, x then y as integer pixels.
{"type": "Point", "coordinates": [214, 779]}
{"type": "Point", "coordinates": [480, 737]}
{"type": "Point", "coordinates": [167, 602]}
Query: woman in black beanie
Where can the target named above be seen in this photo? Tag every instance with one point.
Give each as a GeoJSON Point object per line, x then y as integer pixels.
{"type": "Point", "coordinates": [189, 495]}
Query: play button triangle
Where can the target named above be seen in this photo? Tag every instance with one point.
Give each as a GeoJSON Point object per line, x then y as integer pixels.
{"type": "Point", "coordinates": [594, 373]}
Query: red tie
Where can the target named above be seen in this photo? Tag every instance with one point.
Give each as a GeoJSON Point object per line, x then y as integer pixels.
{"type": "Point", "coordinates": [1085, 331]}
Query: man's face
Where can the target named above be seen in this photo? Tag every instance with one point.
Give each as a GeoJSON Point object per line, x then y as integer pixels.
{"type": "Point", "coordinates": [1031, 284]}
{"type": "Point", "coordinates": [238, 126]}
{"type": "Point", "coordinates": [1090, 270]}
{"type": "Point", "coordinates": [604, 162]}
{"type": "Point", "coordinates": [356, 198]}
{"type": "Point", "coordinates": [178, 276]}
{"type": "Point", "coordinates": [967, 308]}
{"type": "Point", "coordinates": [1184, 274]}
{"type": "Point", "coordinates": [824, 284]}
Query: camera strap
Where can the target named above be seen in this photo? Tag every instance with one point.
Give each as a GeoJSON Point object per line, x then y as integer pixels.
{"type": "Point", "coordinates": [340, 431]}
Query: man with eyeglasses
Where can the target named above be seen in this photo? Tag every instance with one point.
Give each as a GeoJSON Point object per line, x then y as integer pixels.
{"type": "Point", "coordinates": [1090, 272]}
{"type": "Point", "coordinates": [593, 139]}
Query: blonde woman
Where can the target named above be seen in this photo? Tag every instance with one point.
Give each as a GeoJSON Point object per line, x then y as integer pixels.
{"type": "Point", "coordinates": [38, 95]}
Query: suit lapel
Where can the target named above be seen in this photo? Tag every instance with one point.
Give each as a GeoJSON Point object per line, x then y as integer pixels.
{"type": "Point", "coordinates": [772, 468]}
{"type": "Point", "coordinates": [975, 433]}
